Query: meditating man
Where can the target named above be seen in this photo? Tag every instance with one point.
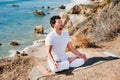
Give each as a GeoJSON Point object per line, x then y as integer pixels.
{"type": "Point", "coordinates": [57, 41]}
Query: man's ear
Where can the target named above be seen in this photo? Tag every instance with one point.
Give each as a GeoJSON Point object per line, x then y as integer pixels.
{"type": "Point", "coordinates": [52, 25]}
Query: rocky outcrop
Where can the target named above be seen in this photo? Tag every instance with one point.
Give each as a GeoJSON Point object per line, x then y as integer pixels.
{"type": "Point", "coordinates": [39, 29]}
{"type": "Point", "coordinates": [103, 26]}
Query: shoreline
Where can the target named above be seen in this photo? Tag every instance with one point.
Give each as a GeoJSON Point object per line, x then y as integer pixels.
{"type": "Point", "coordinates": [15, 27]}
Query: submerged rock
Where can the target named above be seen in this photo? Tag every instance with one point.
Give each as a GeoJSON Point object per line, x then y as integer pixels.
{"type": "Point", "coordinates": [62, 7]}
{"type": "Point", "coordinates": [14, 43]}
{"type": "Point", "coordinates": [0, 44]}
{"type": "Point", "coordinates": [15, 5]}
{"type": "Point", "coordinates": [39, 12]}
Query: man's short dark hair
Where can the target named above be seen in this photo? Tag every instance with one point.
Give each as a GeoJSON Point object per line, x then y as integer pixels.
{"type": "Point", "coordinates": [53, 20]}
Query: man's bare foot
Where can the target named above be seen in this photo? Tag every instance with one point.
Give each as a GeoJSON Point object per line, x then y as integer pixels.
{"type": "Point", "coordinates": [43, 70]}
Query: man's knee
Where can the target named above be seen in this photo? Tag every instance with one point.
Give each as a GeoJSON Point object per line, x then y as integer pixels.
{"type": "Point", "coordinates": [64, 65]}
{"type": "Point", "coordinates": [77, 62]}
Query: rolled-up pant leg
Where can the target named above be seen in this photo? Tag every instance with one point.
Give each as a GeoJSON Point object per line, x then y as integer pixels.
{"type": "Point", "coordinates": [64, 65]}
{"type": "Point", "coordinates": [77, 62]}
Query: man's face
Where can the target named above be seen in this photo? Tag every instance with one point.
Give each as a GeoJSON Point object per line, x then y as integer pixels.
{"type": "Point", "coordinates": [58, 25]}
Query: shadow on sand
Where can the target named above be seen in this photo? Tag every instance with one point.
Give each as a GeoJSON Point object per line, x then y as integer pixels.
{"type": "Point", "coordinates": [89, 62]}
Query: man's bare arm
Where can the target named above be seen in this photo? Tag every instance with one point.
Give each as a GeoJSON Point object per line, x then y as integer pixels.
{"type": "Point", "coordinates": [49, 55]}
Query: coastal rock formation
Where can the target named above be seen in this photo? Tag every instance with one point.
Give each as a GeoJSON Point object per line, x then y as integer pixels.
{"type": "Point", "coordinates": [39, 12]}
{"type": "Point", "coordinates": [102, 26]}
{"type": "Point", "coordinates": [14, 43]}
{"type": "Point", "coordinates": [66, 20]}
{"type": "Point", "coordinates": [87, 9]}
{"type": "Point", "coordinates": [39, 29]}
{"type": "Point", "coordinates": [79, 40]}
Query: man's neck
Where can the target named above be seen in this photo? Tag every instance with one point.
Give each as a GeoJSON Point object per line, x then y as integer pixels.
{"type": "Point", "coordinates": [58, 31]}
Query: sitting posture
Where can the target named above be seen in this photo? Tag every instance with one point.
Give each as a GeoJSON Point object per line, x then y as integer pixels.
{"type": "Point", "coordinates": [57, 41]}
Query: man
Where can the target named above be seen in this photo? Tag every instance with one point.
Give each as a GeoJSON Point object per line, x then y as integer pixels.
{"type": "Point", "coordinates": [57, 41]}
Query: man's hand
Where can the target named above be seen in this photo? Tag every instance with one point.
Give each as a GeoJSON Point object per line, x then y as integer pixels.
{"type": "Point", "coordinates": [82, 56]}
{"type": "Point", "coordinates": [55, 65]}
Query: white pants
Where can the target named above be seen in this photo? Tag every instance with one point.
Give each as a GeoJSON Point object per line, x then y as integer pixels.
{"type": "Point", "coordinates": [64, 65]}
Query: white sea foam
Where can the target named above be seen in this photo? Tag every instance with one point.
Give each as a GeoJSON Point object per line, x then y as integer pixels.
{"type": "Point", "coordinates": [29, 49]}
{"type": "Point", "coordinates": [81, 1]}
{"type": "Point", "coordinates": [13, 52]}
{"type": "Point", "coordinates": [76, 2]}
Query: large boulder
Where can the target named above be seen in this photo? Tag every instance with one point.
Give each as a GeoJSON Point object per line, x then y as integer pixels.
{"type": "Point", "coordinates": [39, 29]}
{"type": "Point", "coordinates": [103, 26]}
{"type": "Point", "coordinates": [80, 41]}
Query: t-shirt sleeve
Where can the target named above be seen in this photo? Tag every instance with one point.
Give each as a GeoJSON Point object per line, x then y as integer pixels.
{"type": "Point", "coordinates": [48, 40]}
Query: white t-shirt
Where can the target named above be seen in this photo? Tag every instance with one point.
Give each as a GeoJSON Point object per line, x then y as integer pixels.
{"type": "Point", "coordinates": [59, 44]}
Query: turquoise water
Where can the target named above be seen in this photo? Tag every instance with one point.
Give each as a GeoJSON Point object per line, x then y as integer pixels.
{"type": "Point", "coordinates": [17, 23]}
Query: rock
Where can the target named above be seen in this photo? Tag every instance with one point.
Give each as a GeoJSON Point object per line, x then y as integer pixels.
{"type": "Point", "coordinates": [75, 10]}
{"type": "Point", "coordinates": [66, 20]}
{"type": "Point", "coordinates": [43, 7]}
{"type": "Point", "coordinates": [48, 7]}
{"type": "Point", "coordinates": [62, 7]}
{"type": "Point", "coordinates": [39, 12]}
{"type": "Point", "coordinates": [17, 52]}
{"type": "Point", "coordinates": [39, 29]}
{"type": "Point", "coordinates": [14, 43]}
{"type": "Point", "coordinates": [15, 5]}
{"type": "Point", "coordinates": [0, 44]}
{"type": "Point", "coordinates": [24, 54]}
{"type": "Point", "coordinates": [80, 41]}
{"type": "Point", "coordinates": [13, 53]}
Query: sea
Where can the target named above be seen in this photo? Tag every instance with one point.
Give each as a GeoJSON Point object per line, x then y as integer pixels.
{"type": "Point", "coordinates": [17, 23]}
